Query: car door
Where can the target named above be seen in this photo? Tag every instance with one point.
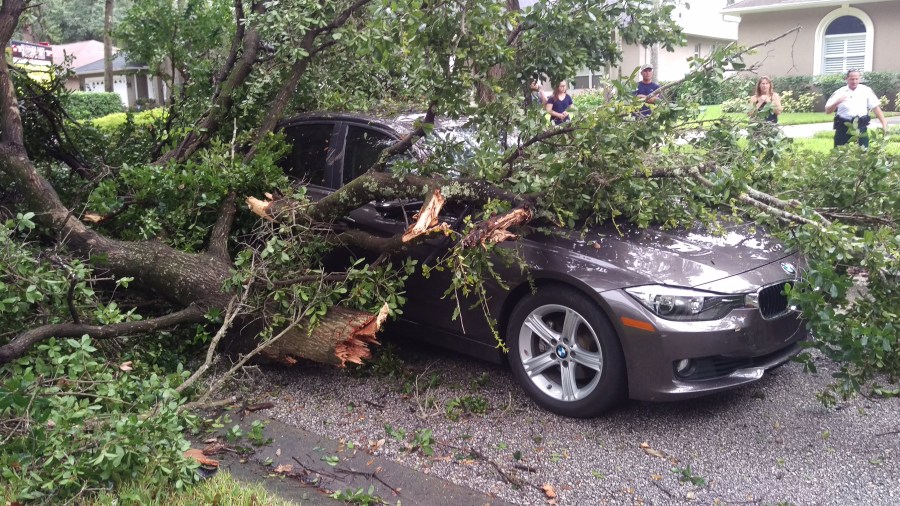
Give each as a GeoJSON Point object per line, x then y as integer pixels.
{"type": "Point", "coordinates": [329, 154]}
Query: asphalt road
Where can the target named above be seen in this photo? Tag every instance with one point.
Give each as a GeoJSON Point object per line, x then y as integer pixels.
{"type": "Point", "coordinates": [770, 443]}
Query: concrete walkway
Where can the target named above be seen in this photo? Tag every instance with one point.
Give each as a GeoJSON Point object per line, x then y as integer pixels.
{"type": "Point", "coordinates": [809, 130]}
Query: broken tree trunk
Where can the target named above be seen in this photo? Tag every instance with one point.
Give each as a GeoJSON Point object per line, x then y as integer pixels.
{"type": "Point", "coordinates": [343, 336]}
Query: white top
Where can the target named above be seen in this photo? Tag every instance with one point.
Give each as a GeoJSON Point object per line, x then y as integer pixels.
{"type": "Point", "coordinates": [858, 103]}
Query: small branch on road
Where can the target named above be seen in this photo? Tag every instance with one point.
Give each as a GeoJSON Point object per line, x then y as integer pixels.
{"type": "Point", "coordinates": [664, 489]}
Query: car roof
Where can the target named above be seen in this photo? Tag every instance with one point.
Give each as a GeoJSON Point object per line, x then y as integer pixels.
{"type": "Point", "coordinates": [400, 124]}
{"type": "Point", "coordinates": [399, 127]}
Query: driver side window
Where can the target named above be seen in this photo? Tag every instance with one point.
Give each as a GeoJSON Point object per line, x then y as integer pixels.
{"type": "Point", "coordinates": [310, 147]}
{"type": "Point", "coordinates": [362, 149]}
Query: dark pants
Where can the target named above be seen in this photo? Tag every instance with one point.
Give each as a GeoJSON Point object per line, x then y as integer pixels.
{"type": "Point", "coordinates": [842, 132]}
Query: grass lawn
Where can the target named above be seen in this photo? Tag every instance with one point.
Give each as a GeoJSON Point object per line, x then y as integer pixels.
{"type": "Point", "coordinates": [222, 490]}
{"type": "Point", "coordinates": [823, 142]}
{"type": "Point", "coordinates": [712, 112]}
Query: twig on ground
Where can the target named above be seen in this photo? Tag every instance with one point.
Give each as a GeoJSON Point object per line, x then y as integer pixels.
{"type": "Point", "coordinates": [664, 489]}
{"type": "Point", "coordinates": [210, 404]}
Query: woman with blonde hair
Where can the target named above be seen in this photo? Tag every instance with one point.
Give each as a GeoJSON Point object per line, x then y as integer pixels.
{"type": "Point", "coordinates": [765, 95]}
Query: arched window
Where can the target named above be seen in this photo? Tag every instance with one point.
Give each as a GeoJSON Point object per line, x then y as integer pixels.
{"type": "Point", "coordinates": [844, 40]}
{"type": "Point", "coordinates": [845, 45]}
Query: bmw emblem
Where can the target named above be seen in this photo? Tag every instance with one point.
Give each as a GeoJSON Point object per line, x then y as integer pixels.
{"type": "Point", "coordinates": [561, 351]}
{"type": "Point", "coordinates": [788, 268]}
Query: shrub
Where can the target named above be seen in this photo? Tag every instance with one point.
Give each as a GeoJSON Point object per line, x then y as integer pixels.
{"type": "Point", "coordinates": [803, 102]}
{"type": "Point", "coordinates": [83, 105]}
{"type": "Point", "coordinates": [77, 423]}
{"type": "Point", "coordinates": [739, 104]}
{"type": "Point", "coordinates": [796, 84]}
{"type": "Point", "coordinates": [826, 85]}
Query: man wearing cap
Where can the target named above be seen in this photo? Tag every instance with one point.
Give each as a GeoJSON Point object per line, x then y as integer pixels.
{"type": "Point", "coordinates": [645, 88]}
{"type": "Point", "coordinates": [852, 103]}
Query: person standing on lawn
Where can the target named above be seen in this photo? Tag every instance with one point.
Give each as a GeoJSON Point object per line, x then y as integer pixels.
{"type": "Point", "coordinates": [645, 89]}
{"type": "Point", "coordinates": [851, 104]}
{"type": "Point", "coordinates": [766, 96]}
{"type": "Point", "coordinates": [558, 103]}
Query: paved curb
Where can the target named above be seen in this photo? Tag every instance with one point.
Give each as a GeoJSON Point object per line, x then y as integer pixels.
{"type": "Point", "coordinates": [311, 477]}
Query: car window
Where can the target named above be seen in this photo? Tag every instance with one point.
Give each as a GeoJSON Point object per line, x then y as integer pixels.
{"type": "Point", "coordinates": [362, 147]}
{"type": "Point", "coordinates": [308, 159]}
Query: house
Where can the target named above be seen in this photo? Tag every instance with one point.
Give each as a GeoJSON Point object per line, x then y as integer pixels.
{"type": "Point", "coordinates": [131, 81]}
{"type": "Point", "coordinates": [705, 27]}
{"type": "Point", "coordinates": [835, 35]}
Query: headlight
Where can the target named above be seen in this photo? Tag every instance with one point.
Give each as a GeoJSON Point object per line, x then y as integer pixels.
{"type": "Point", "coordinates": [673, 303]}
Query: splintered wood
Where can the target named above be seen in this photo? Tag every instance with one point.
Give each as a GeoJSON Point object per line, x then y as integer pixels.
{"type": "Point", "coordinates": [427, 220]}
{"type": "Point", "coordinates": [496, 228]}
{"type": "Point", "coordinates": [344, 335]}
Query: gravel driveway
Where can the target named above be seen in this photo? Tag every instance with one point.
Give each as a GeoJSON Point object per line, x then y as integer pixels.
{"type": "Point", "coordinates": [769, 443]}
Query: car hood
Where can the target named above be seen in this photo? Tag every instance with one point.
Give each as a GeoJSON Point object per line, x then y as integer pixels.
{"type": "Point", "coordinates": [606, 257]}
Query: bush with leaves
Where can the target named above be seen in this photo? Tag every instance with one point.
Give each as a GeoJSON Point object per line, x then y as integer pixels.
{"type": "Point", "coordinates": [792, 102]}
{"type": "Point", "coordinates": [733, 105]}
{"type": "Point", "coordinates": [89, 105]}
{"type": "Point", "coordinates": [70, 420]}
{"type": "Point", "coordinates": [73, 423]}
{"type": "Point", "coordinates": [849, 293]}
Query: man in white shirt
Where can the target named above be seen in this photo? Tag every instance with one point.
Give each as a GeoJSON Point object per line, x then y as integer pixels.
{"type": "Point", "coordinates": [852, 103]}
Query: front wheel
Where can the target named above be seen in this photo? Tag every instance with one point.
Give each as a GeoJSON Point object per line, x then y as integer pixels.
{"type": "Point", "coordinates": [565, 353]}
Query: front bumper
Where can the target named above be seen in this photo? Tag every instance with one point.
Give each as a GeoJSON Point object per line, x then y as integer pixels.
{"type": "Point", "coordinates": [726, 353]}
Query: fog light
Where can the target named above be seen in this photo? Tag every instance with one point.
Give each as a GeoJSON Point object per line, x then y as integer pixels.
{"type": "Point", "coordinates": [684, 367]}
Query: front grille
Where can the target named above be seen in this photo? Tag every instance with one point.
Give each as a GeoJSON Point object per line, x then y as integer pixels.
{"type": "Point", "coordinates": [716, 367]}
{"type": "Point", "coordinates": [719, 366]}
{"type": "Point", "coordinates": [772, 300]}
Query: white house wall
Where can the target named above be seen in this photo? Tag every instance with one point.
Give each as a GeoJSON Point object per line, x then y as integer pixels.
{"type": "Point", "coordinates": [704, 19]}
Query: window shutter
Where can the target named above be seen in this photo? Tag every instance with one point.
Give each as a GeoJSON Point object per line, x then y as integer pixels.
{"type": "Point", "coordinates": [857, 45]}
{"type": "Point", "coordinates": [855, 62]}
{"type": "Point", "coordinates": [834, 47]}
{"type": "Point", "coordinates": [843, 52]}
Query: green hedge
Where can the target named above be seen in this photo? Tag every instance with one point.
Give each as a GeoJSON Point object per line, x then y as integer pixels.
{"type": "Point", "coordinates": [84, 105]}
{"type": "Point", "coordinates": [884, 84]}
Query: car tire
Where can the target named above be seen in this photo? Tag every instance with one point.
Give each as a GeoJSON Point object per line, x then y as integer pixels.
{"type": "Point", "coordinates": [565, 353]}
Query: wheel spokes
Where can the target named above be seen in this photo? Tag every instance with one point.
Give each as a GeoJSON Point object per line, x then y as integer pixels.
{"type": "Point", "coordinates": [567, 382]}
{"type": "Point", "coordinates": [570, 324]}
{"type": "Point", "coordinates": [591, 360]}
{"type": "Point", "coordinates": [537, 325]}
{"type": "Point", "coordinates": [540, 363]}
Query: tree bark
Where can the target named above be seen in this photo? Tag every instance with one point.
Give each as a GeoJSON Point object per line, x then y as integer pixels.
{"type": "Point", "coordinates": [107, 47]}
{"type": "Point", "coordinates": [216, 114]}
{"type": "Point", "coordinates": [343, 336]}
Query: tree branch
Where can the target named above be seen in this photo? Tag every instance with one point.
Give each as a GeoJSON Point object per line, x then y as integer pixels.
{"type": "Point", "coordinates": [211, 120]}
{"type": "Point", "coordinates": [771, 210]}
{"type": "Point", "coordinates": [23, 342]}
{"type": "Point", "coordinates": [218, 240]}
{"type": "Point", "coordinates": [407, 141]}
